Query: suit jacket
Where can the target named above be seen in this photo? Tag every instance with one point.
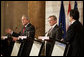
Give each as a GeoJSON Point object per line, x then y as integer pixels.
{"type": "Point", "coordinates": [55, 34]}
{"type": "Point", "coordinates": [74, 36]}
{"type": "Point", "coordinates": [26, 44]}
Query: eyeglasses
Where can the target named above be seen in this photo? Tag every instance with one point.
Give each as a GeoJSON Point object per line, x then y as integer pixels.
{"type": "Point", "coordinates": [50, 20]}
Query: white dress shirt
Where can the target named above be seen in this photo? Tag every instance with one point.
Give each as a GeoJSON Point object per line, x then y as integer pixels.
{"type": "Point", "coordinates": [72, 22]}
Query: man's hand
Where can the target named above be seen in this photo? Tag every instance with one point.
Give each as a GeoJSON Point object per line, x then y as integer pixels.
{"type": "Point", "coordinates": [8, 31]}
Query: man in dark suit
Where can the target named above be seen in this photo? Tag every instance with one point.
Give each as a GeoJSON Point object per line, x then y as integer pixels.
{"type": "Point", "coordinates": [27, 30]}
{"type": "Point", "coordinates": [74, 35]}
{"type": "Point", "coordinates": [55, 33]}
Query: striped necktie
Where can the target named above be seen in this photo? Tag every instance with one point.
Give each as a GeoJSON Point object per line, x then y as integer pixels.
{"type": "Point", "coordinates": [49, 31]}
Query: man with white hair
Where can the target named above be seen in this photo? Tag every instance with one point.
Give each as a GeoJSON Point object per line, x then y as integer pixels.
{"type": "Point", "coordinates": [27, 30]}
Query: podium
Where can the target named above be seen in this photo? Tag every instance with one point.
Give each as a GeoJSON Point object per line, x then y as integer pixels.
{"type": "Point", "coordinates": [60, 49]}
{"type": "Point", "coordinates": [17, 46]}
{"type": "Point", "coordinates": [36, 48]}
{"type": "Point", "coordinates": [44, 39]}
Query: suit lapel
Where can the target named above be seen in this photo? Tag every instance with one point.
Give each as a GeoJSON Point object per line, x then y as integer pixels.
{"type": "Point", "coordinates": [52, 31]}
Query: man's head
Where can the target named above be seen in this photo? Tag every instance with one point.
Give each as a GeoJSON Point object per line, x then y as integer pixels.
{"type": "Point", "coordinates": [25, 20]}
{"type": "Point", "coordinates": [52, 20]}
{"type": "Point", "coordinates": [74, 15]}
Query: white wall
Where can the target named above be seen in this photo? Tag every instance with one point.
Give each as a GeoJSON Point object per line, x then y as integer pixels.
{"type": "Point", "coordinates": [53, 8]}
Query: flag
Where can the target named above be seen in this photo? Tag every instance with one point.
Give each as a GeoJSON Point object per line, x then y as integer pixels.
{"type": "Point", "coordinates": [69, 8]}
{"type": "Point", "coordinates": [75, 6]}
{"type": "Point", "coordinates": [62, 22]}
{"type": "Point", "coordinates": [67, 20]}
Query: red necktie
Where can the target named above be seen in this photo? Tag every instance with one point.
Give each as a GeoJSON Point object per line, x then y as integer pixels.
{"type": "Point", "coordinates": [23, 29]}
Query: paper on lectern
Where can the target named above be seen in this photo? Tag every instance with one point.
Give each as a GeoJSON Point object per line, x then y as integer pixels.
{"type": "Point", "coordinates": [22, 37]}
{"type": "Point", "coordinates": [43, 37]}
{"type": "Point", "coordinates": [4, 37]}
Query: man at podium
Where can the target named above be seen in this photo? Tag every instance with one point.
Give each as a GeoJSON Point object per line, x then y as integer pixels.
{"type": "Point", "coordinates": [27, 30]}
{"type": "Point", "coordinates": [54, 33]}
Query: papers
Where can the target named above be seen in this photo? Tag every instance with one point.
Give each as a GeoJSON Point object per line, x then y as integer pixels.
{"type": "Point", "coordinates": [22, 37]}
{"type": "Point", "coordinates": [43, 37]}
{"type": "Point", "coordinates": [4, 37]}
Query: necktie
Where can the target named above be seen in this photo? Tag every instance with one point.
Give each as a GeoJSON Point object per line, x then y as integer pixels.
{"type": "Point", "coordinates": [23, 29]}
{"type": "Point", "coordinates": [49, 31]}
